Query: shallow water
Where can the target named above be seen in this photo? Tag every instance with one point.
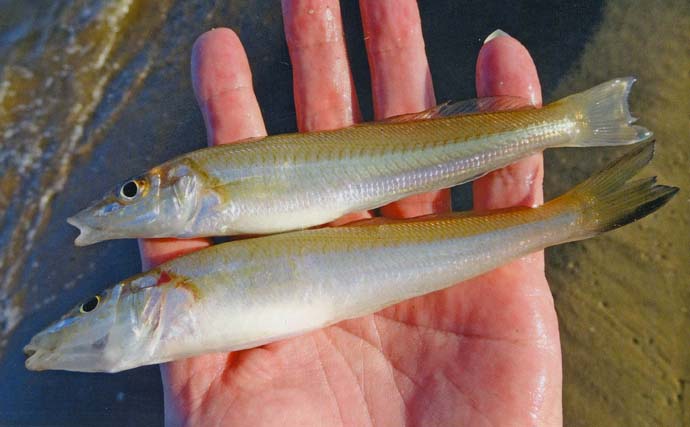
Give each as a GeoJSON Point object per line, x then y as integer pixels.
{"type": "Point", "coordinates": [92, 92]}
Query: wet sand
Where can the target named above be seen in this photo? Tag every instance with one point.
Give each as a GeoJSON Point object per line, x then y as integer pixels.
{"type": "Point", "coordinates": [623, 299]}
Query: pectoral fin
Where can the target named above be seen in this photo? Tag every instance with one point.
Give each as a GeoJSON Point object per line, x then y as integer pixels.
{"type": "Point", "coordinates": [255, 187]}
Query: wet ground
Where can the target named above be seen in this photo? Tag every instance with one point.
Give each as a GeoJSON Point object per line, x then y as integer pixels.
{"type": "Point", "coordinates": [92, 92]}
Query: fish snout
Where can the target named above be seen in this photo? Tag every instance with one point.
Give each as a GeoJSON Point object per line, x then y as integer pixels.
{"type": "Point", "coordinates": [34, 357]}
{"type": "Point", "coordinates": [29, 351]}
{"type": "Point", "coordinates": [88, 234]}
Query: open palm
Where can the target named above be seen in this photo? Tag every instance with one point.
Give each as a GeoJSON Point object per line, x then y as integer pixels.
{"type": "Point", "coordinates": [484, 352]}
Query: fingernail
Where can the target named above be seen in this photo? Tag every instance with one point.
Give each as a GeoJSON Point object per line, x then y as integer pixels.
{"type": "Point", "coordinates": [497, 33]}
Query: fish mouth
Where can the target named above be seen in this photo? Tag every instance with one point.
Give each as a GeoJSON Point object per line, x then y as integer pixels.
{"type": "Point", "coordinates": [29, 351]}
{"type": "Point", "coordinates": [87, 235]}
{"type": "Point", "coordinates": [32, 353]}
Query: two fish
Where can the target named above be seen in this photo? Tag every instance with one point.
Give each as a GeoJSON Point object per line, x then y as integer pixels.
{"type": "Point", "coordinates": [273, 287]}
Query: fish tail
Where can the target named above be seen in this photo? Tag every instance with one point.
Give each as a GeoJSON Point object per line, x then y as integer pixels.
{"type": "Point", "coordinates": [607, 200]}
{"type": "Point", "coordinates": [604, 115]}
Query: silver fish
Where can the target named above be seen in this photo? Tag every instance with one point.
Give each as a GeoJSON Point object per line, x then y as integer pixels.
{"type": "Point", "coordinates": [293, 181]}
{"type": "Point", "coordinates": [251, 292]}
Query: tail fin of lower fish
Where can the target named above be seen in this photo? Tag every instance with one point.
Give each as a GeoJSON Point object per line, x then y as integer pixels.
{"type": "Point", "coordinates": [607, 200]}
{"type": "Point", "coordinates": [605, 115]}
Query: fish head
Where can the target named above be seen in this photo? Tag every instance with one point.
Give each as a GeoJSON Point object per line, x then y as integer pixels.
{"type": "Point", "coordinates": [120, 328]}
{"type": "Point", "coordinates": [159, 203]}
{"type": "Point", "coordinates": [81, 339]}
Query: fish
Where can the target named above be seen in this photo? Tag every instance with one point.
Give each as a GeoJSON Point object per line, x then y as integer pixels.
{"type": "Point", "coordinates": [295, 181]}
{"type": "Point", "coordinates": [251, 292]}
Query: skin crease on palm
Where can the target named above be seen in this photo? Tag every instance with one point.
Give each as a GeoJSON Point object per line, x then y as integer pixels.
{"type": "Point", "coordinates": [485, 352]}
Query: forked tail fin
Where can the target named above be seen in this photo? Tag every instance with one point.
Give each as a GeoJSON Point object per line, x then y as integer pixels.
{"type": "Point", "coordinates": [607, 201]}
{"type": "Point", "coordinates": [604, 115]}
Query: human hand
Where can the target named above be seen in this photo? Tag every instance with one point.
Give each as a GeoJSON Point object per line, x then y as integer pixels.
{"type": "Point", "coordinates": [482, 352]}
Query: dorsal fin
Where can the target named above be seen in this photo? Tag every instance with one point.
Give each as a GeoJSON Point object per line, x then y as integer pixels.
{"type": "Point", "coordinates": [469, 106]}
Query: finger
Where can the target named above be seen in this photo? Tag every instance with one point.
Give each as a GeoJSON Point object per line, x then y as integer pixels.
{"type": "Point", "coordinates": [400, 79]}
{"type": "Point", "coordinates": [156, 251]}
{"type": "Point", "coordinates": [223, 86]}
{"type": "Point", "coordinates": [325, 96]}
{"type": "Point", "coordinates": [504, 67]}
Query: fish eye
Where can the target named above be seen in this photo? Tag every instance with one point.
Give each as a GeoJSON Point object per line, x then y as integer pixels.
{"type": "Point", "coordinates": [90, 305]}
{"type": "Point", "coordinates": [129, 190]}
